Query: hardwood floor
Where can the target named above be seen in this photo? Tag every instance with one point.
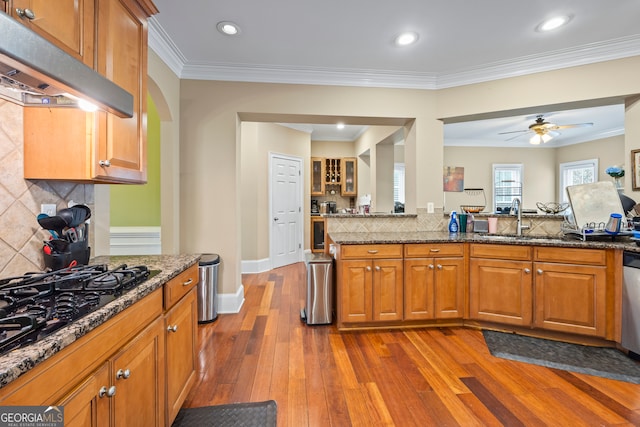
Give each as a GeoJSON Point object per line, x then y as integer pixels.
{"type": "Point", "coordinates": [415, 377]}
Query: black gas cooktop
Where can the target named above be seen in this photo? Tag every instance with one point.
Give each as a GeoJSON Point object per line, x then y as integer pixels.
{"type": "Point", "coordinates": [37, 304]}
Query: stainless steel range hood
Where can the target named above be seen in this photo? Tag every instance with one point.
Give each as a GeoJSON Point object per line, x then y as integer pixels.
{"type": "Point", "coordinates": [34, 71]}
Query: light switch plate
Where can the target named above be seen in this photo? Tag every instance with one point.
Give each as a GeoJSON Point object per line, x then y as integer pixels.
{"type": "Point", "coordinates": [49, 209]}
{"type": "Point", "coordinates": [430, 207]}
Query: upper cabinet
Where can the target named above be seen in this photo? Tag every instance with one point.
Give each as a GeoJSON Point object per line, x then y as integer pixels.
{"type": "Point", "coordinates": [70, 144]}
{"type": "Point", "coordinates": [339, 172]}
{"type": "Point", "coordinates": [69, 24]}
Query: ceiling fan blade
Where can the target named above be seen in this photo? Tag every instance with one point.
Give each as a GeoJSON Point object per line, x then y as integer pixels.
{"type": "Point", "coordinates": [514, 131]}
{"type": "Point", "coordinates": [576, 125]}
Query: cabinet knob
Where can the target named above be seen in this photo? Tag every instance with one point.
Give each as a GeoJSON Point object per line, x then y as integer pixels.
{"type": "Point", "coordinates": [173, 328]}
{"type": "Point", "coordinates": [439, 267]}
{"type": "Point", "coordinates": [368, 268]}
{"type": "Point", "coordinates": [527, 271]}
{"type": "Point", "coordinates": [377, 268]}
{"type": "Point", "coordinates": [109, 392]}
{"type": "Point", "coordinates": [123, 374]}
{"type": "Point", "coordinates": [104, 163]}
{"type": "Point", "coordinates": [25, 13]}
{"type": "Point", "coordinates": [539, 271]}
{"type": "Point", "coordinates": [431, 267]}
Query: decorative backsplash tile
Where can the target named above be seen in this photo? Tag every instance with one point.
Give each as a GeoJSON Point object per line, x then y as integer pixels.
{"type": "Point", "coordinates": [20, 235]}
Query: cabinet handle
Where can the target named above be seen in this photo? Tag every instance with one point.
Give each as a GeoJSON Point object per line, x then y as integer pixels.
{"type": "Point", "coordinates": [123, 375]}
{"type": "Point", "coordinates": [377, 268]}
{"type": "Point", "coordinates": [373, 251]}
{"type": "Point", "coordinates": [539, 271]}
{"type": "Point", "coordinates": [188, 282]}
{"type": "Point", "coordinates": [25, 13]}
{"type": "Point", "coordinates": [431, 267]}
{"type": "Point", "coordinates": [109, 392]}
{"type": "Point", "coordinates": [439, 267]}
{"type": "Point", "coordinates": [527, 271]}
{"type": "Point", "coordinates": [434, 250]}
{"type": "Point", "coordinates": [368, 268]}
{"type": "Point", "coordinates": [104, 163]}
{"type": "Point", "coordinates": [173, 328]}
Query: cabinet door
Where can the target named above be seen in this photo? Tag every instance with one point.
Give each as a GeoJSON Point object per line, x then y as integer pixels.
{"type": "Point", "coordinates": [88, 405]}
{"type": "Point", "coordinates": [449, 288]}
{"type": "Point", "coordinates": [500, 291]}
{"type": "Point", "coordinates": [317, 234]}
{"type": "Point", "coordinates": [122, 58]}
{"type": "Point", "coordinates": [137, 371]}
{"type": "Point", "coordinates": [571, 298]}
{"type": "Point", "coordinates": [356, 291]}
{"type": "Point", "coordinates": [418, 289]}
{"type": "Point", "coordinates": [317, 176]}
{"type": "Point", "coordinates": [387, 290]}
{"type": "Point", "coordinates": [350, 177]}
{"type": "Point", "coordinates": [68, 24]}
{"type": "Point", "coordinates": [180, 327]}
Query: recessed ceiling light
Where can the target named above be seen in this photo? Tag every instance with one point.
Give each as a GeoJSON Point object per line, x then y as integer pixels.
{"type": "Point", "coordinates": [553, 23]}
{"type": "Point", "coordinates": [340, 125]}
{"type": "Point", "coordinates": [406, 39]}
{"type": "Point", "coordinates": [228, 28]}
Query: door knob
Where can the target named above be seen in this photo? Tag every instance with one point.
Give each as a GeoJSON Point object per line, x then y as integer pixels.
{"type": "Point", "coordinates": [276, 219]}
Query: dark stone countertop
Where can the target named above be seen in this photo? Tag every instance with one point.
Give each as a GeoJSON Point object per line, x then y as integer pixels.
{"type": "Point", "coordinates": [604, 242]}
{"type": "Point", "coordinates": [369, 215]}
{"type": "Point", "coordinates": [19, 361]}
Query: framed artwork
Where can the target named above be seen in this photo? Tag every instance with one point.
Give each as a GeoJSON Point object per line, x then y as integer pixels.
{"type": "Point", "coordinates": [453, 178]}
{"type": "Point", "coordinates": [635, 164]}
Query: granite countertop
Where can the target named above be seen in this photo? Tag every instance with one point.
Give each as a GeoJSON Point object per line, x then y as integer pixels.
{"type": "Point", "coordinates": [346, 238]}
{"type": "Point", "coordinates": [19, 361]}
{"type": "Point", "coordinates": [369, 215]}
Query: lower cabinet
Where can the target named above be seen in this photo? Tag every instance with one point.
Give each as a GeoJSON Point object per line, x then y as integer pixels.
{"type": "Point", "coordinates": [370, 286]}
{"type": "Point", "coordinates": [434, 281]}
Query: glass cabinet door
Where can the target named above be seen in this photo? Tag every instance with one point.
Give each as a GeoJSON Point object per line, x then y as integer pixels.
{"type": "Point", "coordinates": [317, 176]}
{"type": "Point", "coordinates": [350, 177]}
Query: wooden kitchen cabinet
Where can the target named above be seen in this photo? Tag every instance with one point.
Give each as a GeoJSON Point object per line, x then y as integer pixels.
{"type": "Point", "coordinates": [73, 145]}
{"type": "Point", "coordinates": [500, 284]}
{"type": "Point", "coordinates": [317, 176]}
{"type": "Point", "coordinates": [88, 405]}
{"type": "Point", "coordinates": [180, 326]}
{"type": "Point", "coordinates": [370, 283]}
{"type": "Point", "coordinates": [434, 281]}
{"type": "Point", "coordinates": [69, 24]}
{"type": "Point", "coordinates": [349, 184]}
{"type": "Point", "coordinates": [570, 290]}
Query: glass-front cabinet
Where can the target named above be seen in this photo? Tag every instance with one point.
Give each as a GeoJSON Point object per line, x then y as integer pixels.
{"type": "Point", "coordinates": [349, 180]}
{"type": "Point", "coordinates": [317, 176]}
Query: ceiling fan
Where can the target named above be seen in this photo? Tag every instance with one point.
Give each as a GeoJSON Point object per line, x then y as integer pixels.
{"type": "Point", "coordinates": [544, 131]}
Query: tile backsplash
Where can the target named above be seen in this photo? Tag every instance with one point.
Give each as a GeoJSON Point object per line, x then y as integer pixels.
{"type": "Point", "coordinates": [20, 234]}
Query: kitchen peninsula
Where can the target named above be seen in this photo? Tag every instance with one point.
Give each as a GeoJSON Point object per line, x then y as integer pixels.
{"type": "Point", "coordinates": [142, 344]}
{"type": "Point", "coordinates": [554, 287]}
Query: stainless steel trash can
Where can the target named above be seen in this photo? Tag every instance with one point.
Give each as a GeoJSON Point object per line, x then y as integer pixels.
{"type": "Point", "coordinates": [208, 288]}
{"type": "Point", "coordinates": [319, 297]}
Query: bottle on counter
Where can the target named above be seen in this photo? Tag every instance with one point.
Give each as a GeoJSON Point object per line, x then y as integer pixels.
{"type": "Point", "coordinates": [453, 223]}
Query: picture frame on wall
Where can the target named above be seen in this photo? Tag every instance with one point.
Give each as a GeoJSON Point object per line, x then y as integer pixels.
{"type": "Point", "coordinates": [635, 167]}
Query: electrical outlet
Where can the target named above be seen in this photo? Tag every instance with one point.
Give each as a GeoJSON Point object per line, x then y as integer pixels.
{"type": "Point", "coordinates": [49, 209]}
{"type": "Point", "coordinates": [430, 207]}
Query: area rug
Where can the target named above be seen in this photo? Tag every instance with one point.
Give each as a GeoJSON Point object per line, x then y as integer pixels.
{"type": "Point", "coordinates": [602, 362]}
{"type": "Point", "coordinates": [254, 414]}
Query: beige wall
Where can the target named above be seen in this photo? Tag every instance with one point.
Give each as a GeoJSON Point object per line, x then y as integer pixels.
{"type": "Point", "coordinates": [258, 141]}
{"type": "Point", "coordinates": [333, 149]}
{"type": "Point", "coordinates": [210, 134]}
{"type": "Point", "coordinates": [608, 151]}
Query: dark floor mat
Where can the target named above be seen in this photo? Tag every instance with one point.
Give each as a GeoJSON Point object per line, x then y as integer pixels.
{"type": "Point", "coordinates": [602, 362]}
{"type": "Point", "coordinates": [254, 414]}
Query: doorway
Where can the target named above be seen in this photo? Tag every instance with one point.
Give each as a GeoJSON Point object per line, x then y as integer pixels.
{"type": "Point", "coordinates": [285, 201]}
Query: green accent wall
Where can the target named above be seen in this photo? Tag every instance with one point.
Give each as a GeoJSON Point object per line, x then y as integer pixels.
{"type": "Point", "coordinates": [139, 205]}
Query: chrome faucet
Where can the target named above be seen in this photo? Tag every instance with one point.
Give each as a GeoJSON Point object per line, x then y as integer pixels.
{"type": "Point", "coordinates": [516, 210]}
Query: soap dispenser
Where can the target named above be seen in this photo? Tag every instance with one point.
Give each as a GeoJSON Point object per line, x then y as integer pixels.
{"type": "Point", "coordinates": [453, 223]}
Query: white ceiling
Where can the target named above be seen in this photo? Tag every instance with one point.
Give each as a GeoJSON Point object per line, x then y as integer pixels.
{"type": "Point", "coordinates": [350, 43]}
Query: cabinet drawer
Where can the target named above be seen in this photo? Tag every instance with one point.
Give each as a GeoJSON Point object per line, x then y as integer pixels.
{"type": "Point", "coordinates": [570, 255]}
{"type": "Point", "coordinates": [515, 252]}
{"type": "Point", "coordinates": [371, 251]}
{"type": "Point", "coordinates": [423, 250]}
{"type": "Point", "coordinates": [178, 287]}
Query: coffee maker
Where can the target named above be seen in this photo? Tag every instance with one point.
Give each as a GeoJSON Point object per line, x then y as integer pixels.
{"type": "Point", "coordinates": [332, 207]}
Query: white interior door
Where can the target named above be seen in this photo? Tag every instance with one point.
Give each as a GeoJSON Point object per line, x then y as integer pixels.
{"type": "Point", "coordinates": [286, 210]}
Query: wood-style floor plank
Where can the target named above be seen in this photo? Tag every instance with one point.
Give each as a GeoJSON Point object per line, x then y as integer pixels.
{"type": "Point", "coordinates": [415, 377]}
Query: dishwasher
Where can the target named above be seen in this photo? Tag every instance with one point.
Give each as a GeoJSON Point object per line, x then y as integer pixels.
{"type": "Point", "coordinates": [631, 303]}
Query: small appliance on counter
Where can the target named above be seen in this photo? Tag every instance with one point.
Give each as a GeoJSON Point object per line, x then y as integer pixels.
{"type": "Point", "coordinates": [315, 207]}
{"type": "Point", "coordinates": [332, 207]}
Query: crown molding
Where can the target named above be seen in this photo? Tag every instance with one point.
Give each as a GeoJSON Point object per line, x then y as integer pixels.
{"type": "Point", "coordinates": [162, 45]}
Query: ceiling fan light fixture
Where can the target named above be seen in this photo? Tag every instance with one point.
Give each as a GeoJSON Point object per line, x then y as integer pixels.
{"type": "Point", "coordinates": [228, 28]}
{"type": "Point", "coordinates": [553, 23]}
{"type": "Point", "coordinates": [405, 39]}
{"type": "Point", "coordinates": [540, 138]}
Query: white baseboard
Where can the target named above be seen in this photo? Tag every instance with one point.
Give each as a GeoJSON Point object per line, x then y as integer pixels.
{"type": "Point", "coordinates": [255, 266]}
{"type": "Point", "coordinates": [231, 303]}
{"type": "Point", "coordinates": [135, 241]}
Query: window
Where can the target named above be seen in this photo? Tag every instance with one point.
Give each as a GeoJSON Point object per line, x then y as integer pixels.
{"type": "Point", "coordinates": [507, 185]}
{"type": "Point", "coordinates": [574, 173]}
